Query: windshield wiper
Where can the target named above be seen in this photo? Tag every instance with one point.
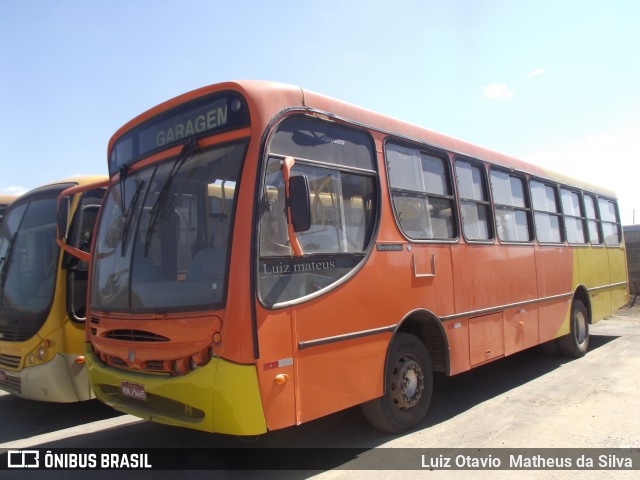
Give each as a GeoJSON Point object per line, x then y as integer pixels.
{"type": "Point", "coordinates": [127, 218]}
{"type": "Point", "coordinates": [158, 207]}
{"type": "Point", "coordinates": [123, 177]}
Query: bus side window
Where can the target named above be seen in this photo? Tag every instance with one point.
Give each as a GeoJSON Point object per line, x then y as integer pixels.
{"type": "Point", "coordinates": [573, 216]}
{"type": "Point", "coordinates": [546, 212]}
{"type": "Point", "coordinates": [422, 193]}
{"type": "Point", "coordinates": [475, 207]}
{"type": "Point", "coordinates": [610, 224]}
{"type": "Point", "coordinates": [339, 166]}
{"type": "Point", "coordinates": [593, 222]}
{"type": "Point", "coordinates": [513, 216]}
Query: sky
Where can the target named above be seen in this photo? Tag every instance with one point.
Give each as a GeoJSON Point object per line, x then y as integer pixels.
{"type": "Point", "coordinates": [554, 82]}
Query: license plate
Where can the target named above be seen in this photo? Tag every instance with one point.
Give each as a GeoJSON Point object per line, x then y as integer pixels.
{"type": "Point", "coordinates": [133, 390]}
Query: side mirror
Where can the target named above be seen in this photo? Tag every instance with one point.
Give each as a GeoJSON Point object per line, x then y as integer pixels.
{"type": "Point", "coordinates": [64, 222]}
{"type": "Point", "coordinates": [64, 202]}
{"type": "Point", "coordinates": [300, 204]}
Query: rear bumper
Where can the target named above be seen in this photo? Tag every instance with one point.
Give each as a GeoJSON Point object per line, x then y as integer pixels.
{"type": "Point", "coordinates": [221, 396]}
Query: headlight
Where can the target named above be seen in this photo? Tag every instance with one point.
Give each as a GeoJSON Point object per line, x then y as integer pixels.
{"type": "Point", "coordinates": [42, 353]}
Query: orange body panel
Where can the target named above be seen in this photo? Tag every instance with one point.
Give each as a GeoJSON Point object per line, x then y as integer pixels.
{"type": "Point", "coordinates": [486, 338]}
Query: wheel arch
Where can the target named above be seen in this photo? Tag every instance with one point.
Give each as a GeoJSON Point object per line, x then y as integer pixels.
{"type": "Point", "coordinates": [429, 329]}
{"type": "Point", "coordinates": [581, 293]}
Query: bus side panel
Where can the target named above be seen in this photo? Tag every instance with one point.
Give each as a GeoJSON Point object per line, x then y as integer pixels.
{"type": "Point", "coordinates": [520, 328]}
{"type": "Point", "coordinates": [344, 373]}
{"type": "Point", "coordinates": [487, 276]}
{"type": "Point", "coordinates": [277, 360]}
{"type": "Point", "coordinates": [618, 274]}
{"type": "Point", "coordinates": [594, 272]}
{"type": "Point", "coordinates": [486, 338]}
{"type": "Point", "coordinates": [554, 268]}
{"type": "Point", "coordinates": [457, 332]}
{"type": "Point", "coordinates": [335, 377]}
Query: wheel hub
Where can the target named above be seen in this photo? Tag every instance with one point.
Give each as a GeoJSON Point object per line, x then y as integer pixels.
{"type": "Point", "coordinates": [581, 327]}
{"type": "Point", "coordinates": [407, 383]}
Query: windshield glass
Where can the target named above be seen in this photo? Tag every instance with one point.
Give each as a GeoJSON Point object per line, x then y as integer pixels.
{"type": "Point", "coordinates": [28, 264]}
{"type": "Point", "coordinates": [167, 247]}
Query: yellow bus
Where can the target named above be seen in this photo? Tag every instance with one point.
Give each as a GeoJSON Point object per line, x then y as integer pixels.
{"type": "Point", "coordinates": [266, 255]}
{"type": "Point", "coordinates": [43, 292]}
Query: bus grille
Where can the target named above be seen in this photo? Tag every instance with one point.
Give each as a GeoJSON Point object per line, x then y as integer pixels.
{"type": "Point", "coordinates": [155, 403]}
{"type": "Point", "coordinates": [134, 336]}
{"type": "Point", "coordinates": [9, 361]}
{"type": "Point", "coordinates": [11, 384]}
{"type": "Point", "coordinates": [15, 336]}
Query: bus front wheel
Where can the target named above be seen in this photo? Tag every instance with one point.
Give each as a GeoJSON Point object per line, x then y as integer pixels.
{"type": "Point", "coordinates": [575, 344]}
{"type": "Point", "coordinates": [408, 385]}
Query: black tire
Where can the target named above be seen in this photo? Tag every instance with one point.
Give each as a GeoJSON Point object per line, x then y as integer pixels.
{"type": "Point", "coordinates": [408, 383]}
{"type": "Point", "coordinates": [576, 344]}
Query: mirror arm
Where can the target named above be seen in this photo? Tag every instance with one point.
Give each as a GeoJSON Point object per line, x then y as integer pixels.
{"type": "Point", "coordinates": [74, 252]}
{"type": "Point", "coordinates": [293, 240]}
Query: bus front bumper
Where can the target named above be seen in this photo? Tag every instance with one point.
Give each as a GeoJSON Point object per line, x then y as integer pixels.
{"type": "Point", "coordinates": [59, 380]}
{"type": "Point", "coordinates": [220, 397]}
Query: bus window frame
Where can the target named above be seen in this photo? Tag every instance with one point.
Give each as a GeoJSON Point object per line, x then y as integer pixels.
{"type": "Point", "coordinates": [598, 222]}
{"type": "Point", "coordinates": [583, 218]}
{"type": "Point", "coordinates": [491, 221]}
{"type": "Point", "coordinates": [558, 213]}
{"type": "Point", "coordinates": [617, 223]}
{"type": "Point", "coordinates": [527, 208]}
{"type": "Point", "coordinates": [443, 155]}
{"type": "Point", "coordinates": [266, 155]}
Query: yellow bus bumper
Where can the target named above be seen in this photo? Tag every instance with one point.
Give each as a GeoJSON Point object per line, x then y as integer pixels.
{"type": "Point", "coordinates": [220, 397]}
{"type": "Point", "coordinates": [59, 380]}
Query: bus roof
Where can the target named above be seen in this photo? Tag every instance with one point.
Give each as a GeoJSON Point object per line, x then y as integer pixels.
{"type": "Point", "coordinates": [267, 99]}
{"type": "Point", "coordinates": [80, 180]}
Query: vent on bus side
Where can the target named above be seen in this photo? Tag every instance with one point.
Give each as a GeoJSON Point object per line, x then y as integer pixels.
{"type": "Point", "coordinates": [134, 336]}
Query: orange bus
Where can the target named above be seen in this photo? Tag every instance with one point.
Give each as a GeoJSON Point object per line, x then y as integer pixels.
{"type": "Point", "coordinates": [43, 292]}
{"type": "Point", "coordinates": [266, 256]}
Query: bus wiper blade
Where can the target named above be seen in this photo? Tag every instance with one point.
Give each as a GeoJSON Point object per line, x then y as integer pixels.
{"type": "Point", "coordinates": [127, 218]}
{"type": "Point", "coordinates": [123, 177]}
{"type": "Point", "coordinates": [187, 151]}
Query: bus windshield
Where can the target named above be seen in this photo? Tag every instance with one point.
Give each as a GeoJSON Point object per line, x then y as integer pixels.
{"type": "Point", "coordinates": [28, 264]}
{"type": "Point", "coordinates": [164, 235]}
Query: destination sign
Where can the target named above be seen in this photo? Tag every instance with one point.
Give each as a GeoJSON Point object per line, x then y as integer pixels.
{"type": "Point", "coordinates": [208, 116]}
{"type": "Point", "coordinates": [198, 120]}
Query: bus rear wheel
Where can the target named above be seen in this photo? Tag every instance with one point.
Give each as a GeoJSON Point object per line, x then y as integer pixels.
{"type": "Point", "coordinates": [408, 385]}
{"type": "Point", "coordinates": [576, 344]}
